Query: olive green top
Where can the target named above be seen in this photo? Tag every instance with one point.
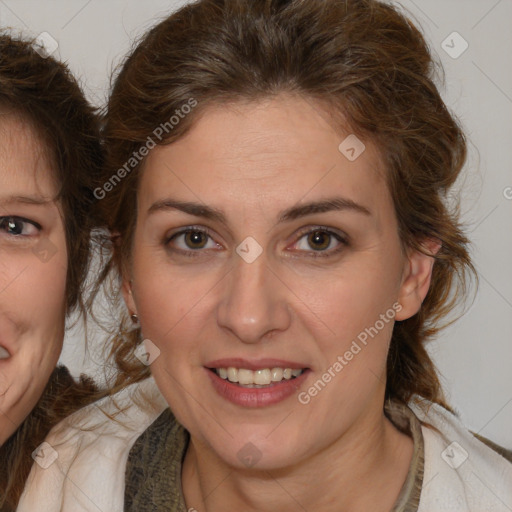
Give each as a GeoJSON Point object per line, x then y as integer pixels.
{"type": "Point", "coordinates": [153, 471]}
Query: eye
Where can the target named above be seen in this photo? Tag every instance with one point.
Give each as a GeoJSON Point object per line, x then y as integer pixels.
{"type": "Point", "coordinates": [320, 240]}
{"type": "Point", "coordinates": [192, 240]}
{"type": "Point", "coordinates": [19, 226]}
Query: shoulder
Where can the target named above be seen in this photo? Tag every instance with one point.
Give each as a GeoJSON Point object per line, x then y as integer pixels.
{"type": "Point", "coordinates": [81, 463]}
{"type": "Point", "coordinates": [461, 472]}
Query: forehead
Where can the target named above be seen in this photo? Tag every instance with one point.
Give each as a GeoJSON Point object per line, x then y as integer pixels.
{"type": "Point", "coordinates": [279, 149]}
{"type": "Point", "coordinates": [25, 166]}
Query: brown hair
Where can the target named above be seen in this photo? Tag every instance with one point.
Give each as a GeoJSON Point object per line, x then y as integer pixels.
{"type": "Point", "coordinates": [363, 59]}
{"type": "Point", "coordinates": [47, 97]}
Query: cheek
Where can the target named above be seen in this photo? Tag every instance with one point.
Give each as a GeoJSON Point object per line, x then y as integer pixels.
{"type": "Point", "coordinates": [34, 282]}
{"type": "Point", "coordinates": [40, 306]}
{"type": "Point", "coordinates": [352, 325]}
{"type": "Point", "coordinates": [169, 298]}
{"type": "Point", "coordinates": [170, 308]}
{"type": "Point", "coordinates": [48, 281]}
{"type": "Point", "coordinates": [32, 315]}
{"type": "Point", "coordinates": [347, 301]}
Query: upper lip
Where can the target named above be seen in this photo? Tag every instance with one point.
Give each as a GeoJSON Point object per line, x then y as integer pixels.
{"type": "Point", "coordinates": [254, 364]}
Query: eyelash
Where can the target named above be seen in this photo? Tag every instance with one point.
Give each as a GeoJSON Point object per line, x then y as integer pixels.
{"type": "Point", "coordinates": [341, 238]}
{"type": "Point", "coordinates": [4, 221]}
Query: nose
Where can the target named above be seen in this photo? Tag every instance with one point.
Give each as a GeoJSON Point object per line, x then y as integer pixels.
{"type": "Point", "coordinates": [253, 303]}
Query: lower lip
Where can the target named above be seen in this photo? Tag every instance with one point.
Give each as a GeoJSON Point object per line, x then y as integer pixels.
{"type": "Point", "coordinates": [256, 397]}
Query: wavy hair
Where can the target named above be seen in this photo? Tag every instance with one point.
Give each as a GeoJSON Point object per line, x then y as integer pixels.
{"type": "Point", "coordinates": [362, 59]}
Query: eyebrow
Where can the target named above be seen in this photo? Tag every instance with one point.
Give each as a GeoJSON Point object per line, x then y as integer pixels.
{"type": "Point", "coordinates": [293, 213]}
{"type": "Point", "coordinates": [36, 200]}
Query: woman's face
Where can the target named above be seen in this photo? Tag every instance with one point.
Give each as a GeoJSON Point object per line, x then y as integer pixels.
{"type": "Point", "coordinates": [264, 250]}
{"type": "Point", "coordinates": [33, 266]}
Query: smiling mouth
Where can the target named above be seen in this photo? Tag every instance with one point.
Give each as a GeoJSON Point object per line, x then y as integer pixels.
{"type": "Point", "coordinates": [257, 378]}
{"type": "Point", "coordinates": [4, 354]}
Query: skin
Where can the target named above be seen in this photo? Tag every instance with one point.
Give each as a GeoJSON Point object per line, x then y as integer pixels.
{"type": "Point", "coordinates": [32, 290]}
{"type": "Point", "coordinates": [252, 161]}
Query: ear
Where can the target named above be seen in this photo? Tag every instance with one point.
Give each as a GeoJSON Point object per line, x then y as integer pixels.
{"type": "Point", "coordinates": [126, 288]}
{"type": "Point", "coordinates": [416, 278]}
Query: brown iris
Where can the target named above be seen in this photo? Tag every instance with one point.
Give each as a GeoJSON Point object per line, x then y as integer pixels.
{"type": "Point", "coordinates": [195, 239]}
{"type": "Point", "coordinates": [319, 240]}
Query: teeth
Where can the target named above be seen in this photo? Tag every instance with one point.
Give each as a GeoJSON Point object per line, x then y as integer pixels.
{"type": "Point", "coordinates": [4, 354]}
{"type": "Point", "coordinates": [277, 374]}
{"type": "Point", "coordinates": [263, 377]}
{"type": "Point", "coordinates": [232, 374]}
{"type": "Point", "coordinates": [245, 376]}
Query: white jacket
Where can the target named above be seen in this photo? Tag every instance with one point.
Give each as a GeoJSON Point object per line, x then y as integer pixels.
{"type": "Point", "coordinates": [92, 449]}
{"type": "Point", "coordinates": [460, 473]}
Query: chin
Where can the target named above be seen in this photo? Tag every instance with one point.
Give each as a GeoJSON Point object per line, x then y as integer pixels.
{"type": "Point", "coordinates": [259, 452]}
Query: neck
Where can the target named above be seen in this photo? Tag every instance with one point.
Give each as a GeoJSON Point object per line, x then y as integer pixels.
{"type": "Point", "coordinates": [372, 457]}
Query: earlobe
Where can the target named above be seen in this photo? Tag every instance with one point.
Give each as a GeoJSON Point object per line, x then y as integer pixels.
{"type": "Point", "coordinates": [128, 296]}
{"type": "Point", "coordinates": [417, 278]}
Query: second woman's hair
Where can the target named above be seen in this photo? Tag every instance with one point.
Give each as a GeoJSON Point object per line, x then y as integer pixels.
{"type": "Point", "coordinates": [45, 96]}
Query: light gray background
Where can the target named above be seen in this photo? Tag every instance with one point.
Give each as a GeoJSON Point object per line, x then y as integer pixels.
{"type": "Point", "coordinates": [475, 355]}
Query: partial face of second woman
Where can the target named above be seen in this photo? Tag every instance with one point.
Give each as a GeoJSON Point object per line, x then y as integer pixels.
{"type": "Point", "coordinates": [259, 248]}
{"type": "Point", "coordinates": [33, 267]}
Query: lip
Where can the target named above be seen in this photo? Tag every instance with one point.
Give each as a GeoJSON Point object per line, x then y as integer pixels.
{"type": "Point", "coordinates": [255, 364]}
{"type": "Point", "coordinates": [257, 397]}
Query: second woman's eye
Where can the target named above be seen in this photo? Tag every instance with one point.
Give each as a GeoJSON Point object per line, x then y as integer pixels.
{"type": "Point", "coordinates": [18, 226]}
{"type": "Point", "coordinates": [320, 241]}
